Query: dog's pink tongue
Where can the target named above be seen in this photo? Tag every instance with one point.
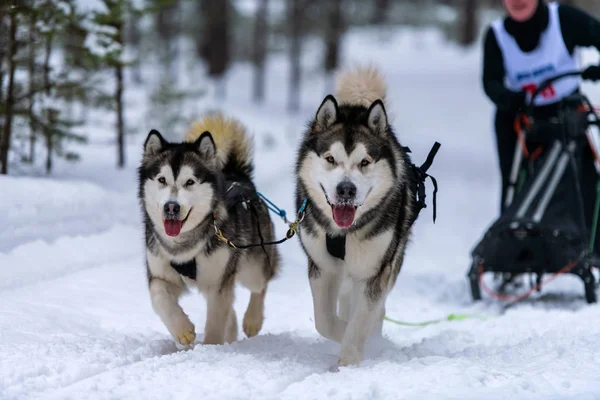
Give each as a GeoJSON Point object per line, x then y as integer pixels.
{"type": "Point", "coordinates": [343, 215]}
{"type": "Point", "coordinates": [172, 227]}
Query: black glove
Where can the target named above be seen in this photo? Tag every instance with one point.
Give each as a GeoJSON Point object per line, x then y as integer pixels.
{"type": "Point", "coordinates": [591, 73]}
{"type": "Point", "coordinates": [518, 100]}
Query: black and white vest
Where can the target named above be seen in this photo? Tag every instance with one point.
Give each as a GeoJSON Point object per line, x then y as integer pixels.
{"type": "Point", "coordinates": [525, 71]}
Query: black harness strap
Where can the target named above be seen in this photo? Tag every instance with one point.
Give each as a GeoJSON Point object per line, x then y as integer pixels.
{"type": "Point", "coordinates": [420, 176]}
{"type": "Point", "coordinates": [186, 269]}
{"type": "Point", "coordinates": [244, 194]}
{"type": "Point", "coordinates": [336, 246]}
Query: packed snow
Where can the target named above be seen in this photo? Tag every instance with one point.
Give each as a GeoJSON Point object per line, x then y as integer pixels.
{"type": "Point", "coordinates": [75, 315]}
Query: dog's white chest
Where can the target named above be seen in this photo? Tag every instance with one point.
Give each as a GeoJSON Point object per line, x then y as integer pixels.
{"type": "Point", "coordinates": [209, 269]}
{"type": "Point", "coordinates": [363, 256]}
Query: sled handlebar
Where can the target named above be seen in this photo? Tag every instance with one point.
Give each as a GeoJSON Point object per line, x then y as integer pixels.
{"type": "Point", "coordinates": [529, 107]}
{"type": "Point", "coordinates": [547, 83]}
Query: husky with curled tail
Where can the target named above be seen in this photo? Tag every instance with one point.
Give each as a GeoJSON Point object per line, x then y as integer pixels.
{"type": "Point", "coordinates": [188, 191]}
{"type": "Point", "coordinates": [359, 188]}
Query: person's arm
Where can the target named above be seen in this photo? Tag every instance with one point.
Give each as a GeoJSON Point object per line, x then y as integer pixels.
{"type": "Point", "coordinates": [493, 77]}
{"type": "Point", "coordinates": [579, 29]}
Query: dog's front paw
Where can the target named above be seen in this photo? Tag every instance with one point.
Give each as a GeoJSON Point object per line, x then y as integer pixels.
{"type": "Point", "coordinates": [252, 324]}
{"type": "Point", "coordinates": [186, 338]}
{"type": "Point", "coordinates": [349, 356]}
{"type": "Point", "coordinates": [185, 333]}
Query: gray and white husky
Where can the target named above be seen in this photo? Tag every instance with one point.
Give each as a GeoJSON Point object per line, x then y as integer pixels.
{"type": "Point", "coordinates": [188, 192]}
{"type": "Point", "coordinates": [358, 182]}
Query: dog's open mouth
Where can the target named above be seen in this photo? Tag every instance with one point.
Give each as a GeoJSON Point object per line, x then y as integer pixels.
{"type": "Point", "coordinates": [343, 213]}
{"type": "Point", "coordinates": [173, 224]}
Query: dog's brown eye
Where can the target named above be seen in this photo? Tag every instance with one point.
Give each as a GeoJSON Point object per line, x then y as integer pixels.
{"type": "Point", "coordinates": [189, 182]}
{"type": "Point", "coordinates": [162, 180]}
{"type": "Point", "coordinates": [365, 162]}
{"type": "Point", "coordinates": [330, 160]}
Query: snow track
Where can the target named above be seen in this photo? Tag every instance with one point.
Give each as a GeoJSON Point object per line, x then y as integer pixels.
{"type": "Point", "coordinates": [47, 209]}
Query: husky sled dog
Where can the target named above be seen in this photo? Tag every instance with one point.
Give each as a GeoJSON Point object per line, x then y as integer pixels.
{"type": "Point", "coordinates": [188, 191]}
{"type": "Point", "coordinates": [359, 184]}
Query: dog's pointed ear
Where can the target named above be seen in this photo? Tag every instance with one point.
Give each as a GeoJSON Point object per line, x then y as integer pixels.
{"type": "Point", "coordinates": [154, 143]}
{"type": "Point", "coordinates": [327, 113]}
{"type": "Point", "coordinates": [206, 145]}
{"type": "Point", "coordinates": [377, 119]}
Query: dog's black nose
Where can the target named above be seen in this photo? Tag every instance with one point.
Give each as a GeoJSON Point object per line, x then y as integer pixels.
{"type": "Point", "coordinates": [172, 208]}
{"type": "Point", "coordinates": [346, 190]}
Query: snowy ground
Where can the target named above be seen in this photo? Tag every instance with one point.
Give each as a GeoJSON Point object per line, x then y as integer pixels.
{"type": "Point", "coordinates": [75, 316]}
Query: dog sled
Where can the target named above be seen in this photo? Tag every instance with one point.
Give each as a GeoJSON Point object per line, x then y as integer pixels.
{"type": "Point", "coordinates": [542, 229]}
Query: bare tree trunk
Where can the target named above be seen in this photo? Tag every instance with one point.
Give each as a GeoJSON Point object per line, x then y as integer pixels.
{"type": "Point", "coordinates": [215, 43]}
{"type": "Point", "coordinates": [49, 153]}
{"type": "Point", "coordinates": [3, 51]}
{"type": "Point", "coordinates": [31, 72]}
{"type": "Point", "coordinates": [381, 9]}
{"type": "Point", "coordinates": [134, 38]}
{"type": "Point", "coordinates": [167, 24]}
{"type": "Point", "coordinates": [48, 52]}
{"type": "Point", "coordinates": [469, 22]}
{"type": "Point", "coordinates": [120, 123]}
{"type": "Point", "coordinates": [48, 136]}
{"type": "Point", "coordinates": [295, 17]}
{"type": "Point", "coordinates": [119, 102]}
{"type": "Point", "coordinates": [260, 50]}
{"type": "Point", "coordinates": [47, 91]}
{"type": "Point", "coordinates": [10, 99]}
{"type": "Point", "coordinates": [48, 133]}
{"type": "Point", "coordinates": [332, 40]}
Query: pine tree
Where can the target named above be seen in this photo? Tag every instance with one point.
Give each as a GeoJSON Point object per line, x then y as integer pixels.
{"type": "Point", "coordinates": [57, 23]}
{"type": "Point", "coordinates": [110, 40]}
{"type": "Point", "coordinates": [38, 103]}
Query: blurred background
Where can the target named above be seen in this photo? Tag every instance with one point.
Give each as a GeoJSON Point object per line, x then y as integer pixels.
{"type": "Point", "coordinates": [62, 59]}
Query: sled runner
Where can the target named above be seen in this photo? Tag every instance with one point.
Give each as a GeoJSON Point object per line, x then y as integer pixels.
{"type": "Point", "coordinates": [543, 228]}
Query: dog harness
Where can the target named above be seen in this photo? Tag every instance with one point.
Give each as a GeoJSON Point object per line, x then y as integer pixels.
{"type": "Point", "coordinates": [186, 269]}
{"type": "Point", "coordinates": [526, 71]}
{"type": "Point", "coordinates": [336, 246]}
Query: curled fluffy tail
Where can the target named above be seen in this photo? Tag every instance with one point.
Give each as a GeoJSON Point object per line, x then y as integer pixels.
{"type": "Point", "coordinates": [234, 145]}
{"type": "Point", "coordinates": [360, 86]}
